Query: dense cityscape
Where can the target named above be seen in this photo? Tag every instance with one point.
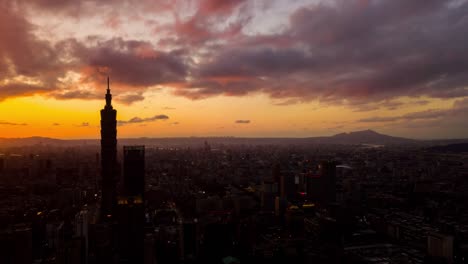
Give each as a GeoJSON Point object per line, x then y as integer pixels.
{"type": "Point", "coordinates": [217, 201]}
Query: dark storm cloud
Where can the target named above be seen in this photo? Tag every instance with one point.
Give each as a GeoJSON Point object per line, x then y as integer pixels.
{"type": "Point", "coordinates": [143, 120]}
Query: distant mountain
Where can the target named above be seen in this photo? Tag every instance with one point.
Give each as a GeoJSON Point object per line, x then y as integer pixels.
{"type": "Point", "coordinates": [367, 137]}
{"type": "Point", "coordinates": [351, 138]}
{"type": "Point", "coordinates": [30, 141]}
{"type": "Point", "coordinates": [44, 141]}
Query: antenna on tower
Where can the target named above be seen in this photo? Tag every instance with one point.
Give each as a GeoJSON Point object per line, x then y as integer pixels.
{"type": "Point", "coordinates": [108, 86]}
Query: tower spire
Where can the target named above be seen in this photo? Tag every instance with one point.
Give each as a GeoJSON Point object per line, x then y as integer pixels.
{"type": "Point", "coordinates": [108, 95]}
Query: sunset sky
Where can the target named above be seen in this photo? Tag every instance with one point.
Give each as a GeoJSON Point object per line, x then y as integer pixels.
{"type": "Point", "coordinates": [258, 68]}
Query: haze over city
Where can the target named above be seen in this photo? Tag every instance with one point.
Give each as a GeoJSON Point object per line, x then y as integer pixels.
{"type": "Point", "coordinates": [234, 68]}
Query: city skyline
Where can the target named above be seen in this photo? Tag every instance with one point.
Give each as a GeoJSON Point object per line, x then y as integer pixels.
{"type": "Point", "coordinates": [233, 131]}
{"type": "Point", "coordinates": [234, 68]}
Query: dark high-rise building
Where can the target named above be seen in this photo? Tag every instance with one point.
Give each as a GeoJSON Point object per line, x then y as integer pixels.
{"type": "Point", "coordinates": [131, 210]}
{"type": "Point", "coordinates": [108, 155]}
{"type": "Point", "coordinates": [328, 172]}
{"type": "Point", "coordinates": [322, 187]}
{"type": "Point", "coordinates": [134, 170]}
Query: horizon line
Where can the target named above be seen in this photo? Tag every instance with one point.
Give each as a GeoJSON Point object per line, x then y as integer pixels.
{"type": "Point", "coordinates": [218, 137]}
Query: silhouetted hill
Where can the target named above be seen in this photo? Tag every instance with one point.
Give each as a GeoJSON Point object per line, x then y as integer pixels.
{"type": "Point", "coordinates": [351, 138]}
{"type": "Point", "coordinates": [31, 141]}
{"type": "Point", "coordinates": [367, 137]}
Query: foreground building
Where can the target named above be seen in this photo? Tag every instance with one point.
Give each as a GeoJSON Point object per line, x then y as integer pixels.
{"type": "Point", "coordinates": [108, 156]}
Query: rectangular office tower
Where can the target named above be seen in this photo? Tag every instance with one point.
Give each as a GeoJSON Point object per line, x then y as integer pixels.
{"type": "Point", "coordinates": [321, 187]}
{"type": "Point", "coordinates": [134, 170]}
{"type": "Point", "coordinates": [130, 205]}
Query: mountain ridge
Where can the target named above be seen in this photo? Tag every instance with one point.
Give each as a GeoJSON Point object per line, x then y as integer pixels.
{"type": "Point", "coordinates": [361, 137]}
{"type": "Point", "coordinates": [368, 137]}
{"type": "Point", "coordinates": [351, 138]}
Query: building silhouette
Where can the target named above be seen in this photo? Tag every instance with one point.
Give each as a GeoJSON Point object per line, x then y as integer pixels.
{"type": "Point", "coordinates": [134, 170]}
{"type": "Point", "coordinates": [131, 208]}
{"type": "Point", "coordinates": [321, 187]}
{"type": "Point", "coordinates": [108, 156]}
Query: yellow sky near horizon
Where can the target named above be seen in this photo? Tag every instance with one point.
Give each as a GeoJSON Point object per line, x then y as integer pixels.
{"type": "Point", "coordinates": [215, 116]}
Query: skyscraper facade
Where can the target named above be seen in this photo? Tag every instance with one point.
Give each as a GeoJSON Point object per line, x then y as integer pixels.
{"type": "Point", "coordinates": [108, 156]}
{"type": "Point", "coordinates": [130, 208]}
{"type": "Point", "coordinates": [134, 170]}
{"type": "Point", "coordinates": [322, 186]}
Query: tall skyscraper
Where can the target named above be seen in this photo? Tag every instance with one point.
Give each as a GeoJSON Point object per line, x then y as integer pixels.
{"type": "Point", "coordinates": [130, 208]}
{"type": "Point", "coordinates": [108, 155]}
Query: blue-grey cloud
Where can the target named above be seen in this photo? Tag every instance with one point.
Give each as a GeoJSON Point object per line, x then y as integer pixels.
{"type": "Point", "coordinates": [143, 120]}
{"type": "Point", "coordinates": [458, 110]}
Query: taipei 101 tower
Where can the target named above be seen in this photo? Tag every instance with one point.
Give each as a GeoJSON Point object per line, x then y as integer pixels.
{"type": "Point", "coordinates": [108, 156]}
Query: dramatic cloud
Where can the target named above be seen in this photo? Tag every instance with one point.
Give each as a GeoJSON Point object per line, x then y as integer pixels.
{"type": "Point", "coordinates": [28, 65]}
{"type": "Point", "coordinates": [349, 50]}
{"type": "Point", "coordinates": [75, 94]}
{"type": "Point", "coordinates": [131, 63]}
{"type": "Point", "coordinates": [242, 122]}
{"type": "Point", "coordinates": [143, 120]}
{"type": "Point", "coordinates": [362, 54]}
{"type": "Point", "coordinates": [130, 98]}
{"type": "Point", "coordinates": [458, 110]}
{"type": "Point", "coordinates": [15, 89]}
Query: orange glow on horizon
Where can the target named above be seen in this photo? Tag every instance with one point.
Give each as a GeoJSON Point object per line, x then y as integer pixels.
{"type": "Point", "coordinates": [74, 119]}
